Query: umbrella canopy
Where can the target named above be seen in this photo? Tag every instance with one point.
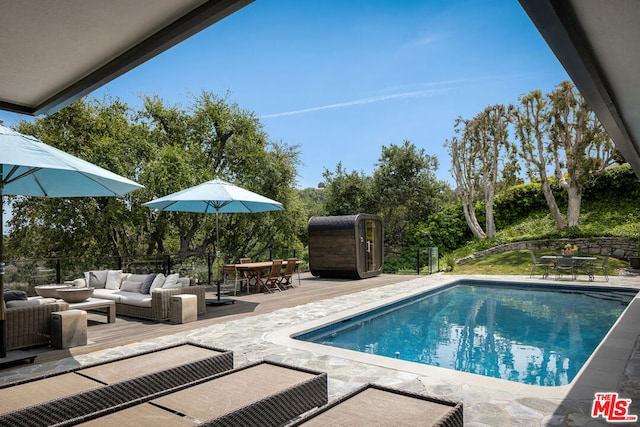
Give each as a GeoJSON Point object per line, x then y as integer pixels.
{"type": "Point", "coordinates": [215, 196]}
{"type": "Point", "coordinates": [33, 168]}
{"type": "Point", "coordinates": [29, 167]}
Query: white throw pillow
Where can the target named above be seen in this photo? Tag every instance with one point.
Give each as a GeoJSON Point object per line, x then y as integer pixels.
{"type": "Point", "coordinates": [113, 279]}
{"type": "Point", "coordinates": [80, 283]}
{"type": "Point", "coordinates": [131, 286]}
{"type": "Point", "coordinates": [171, 282]}
{"type": "Point", "coordinates": [157, 282]}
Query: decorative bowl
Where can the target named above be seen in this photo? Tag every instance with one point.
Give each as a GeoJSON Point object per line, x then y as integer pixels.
{"type": "Point", "coordinates": [49, 291]}
{"type": "Point", "coordinates": [72, 295]}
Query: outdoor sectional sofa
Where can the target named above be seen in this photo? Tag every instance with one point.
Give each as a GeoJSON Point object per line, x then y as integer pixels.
{"type": "Point", "coordinates": [29, 321]}
{"type": "Point", "coordinates": [146, 296]}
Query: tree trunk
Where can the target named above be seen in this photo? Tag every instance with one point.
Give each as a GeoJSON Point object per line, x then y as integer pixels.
{"type": "Point", "coordinates": [574, 193]}
{"type": "Point", "coordinates": [551, 203]}
{"type": "Point", "coordinates": [472, 221]}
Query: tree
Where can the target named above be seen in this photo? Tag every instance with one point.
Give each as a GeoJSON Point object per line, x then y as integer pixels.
{"type": "Point", "coordinates": [531, 122]}
{"type": "Point", "coordinates": [561, 133]}
{"type": "Point", "coordinates": [166, 149]}
{"type": "Point", "coordinates": [476, 156]}
{"type": "Point", "coordinates": [101, 133]}
{"type": "Point", "coordinates": [219, 139]}
{"type": "Point", "coordinates": [580, 146]}
{"type": "Point", "coordinates": [406, 189]}
{"type": "Point", "coordinates": [347, 193]}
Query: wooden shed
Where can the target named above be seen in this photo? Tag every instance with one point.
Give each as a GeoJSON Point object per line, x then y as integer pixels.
{"type": "Point", "coordinates": [349, 246]}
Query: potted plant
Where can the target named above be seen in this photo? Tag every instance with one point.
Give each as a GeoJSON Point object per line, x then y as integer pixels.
{"type": "Point", "coordinates": [569, 250]}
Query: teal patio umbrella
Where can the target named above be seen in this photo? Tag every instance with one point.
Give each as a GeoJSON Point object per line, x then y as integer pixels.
{"type": "Point", "coordinates": [217, 197]}
{"type": "Point", "coordinates": [29, 167]}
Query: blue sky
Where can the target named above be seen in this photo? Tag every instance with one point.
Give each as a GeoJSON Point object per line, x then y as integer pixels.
{"type": "Point", "coordinates": [344, 78]}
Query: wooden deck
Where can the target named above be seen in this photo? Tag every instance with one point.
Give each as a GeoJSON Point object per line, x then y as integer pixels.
{"type": "Point", "coordinates": [127, 330]}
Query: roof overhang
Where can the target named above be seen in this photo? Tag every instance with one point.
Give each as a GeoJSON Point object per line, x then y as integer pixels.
{"type": "Point", "coordinates": [596, 41]}
{"type": "Point", "coordinates": [54, 52]}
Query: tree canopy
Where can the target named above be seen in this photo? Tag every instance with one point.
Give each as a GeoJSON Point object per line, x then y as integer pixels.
{"type": "Point", "coordinates": [166, 149]}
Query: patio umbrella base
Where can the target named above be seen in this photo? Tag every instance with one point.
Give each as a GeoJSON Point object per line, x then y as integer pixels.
{"type": "Point", "coordinates": [16, 356]}
{"type": "Point", "coordinates": [220, 301]}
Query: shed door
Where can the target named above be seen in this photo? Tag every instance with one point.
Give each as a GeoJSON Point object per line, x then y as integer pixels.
{"type": "Point", "coordinates": [370, 250]}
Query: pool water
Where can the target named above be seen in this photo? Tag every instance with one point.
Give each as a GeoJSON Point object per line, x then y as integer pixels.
{"type": "Point", "coordinates": [541, 336]}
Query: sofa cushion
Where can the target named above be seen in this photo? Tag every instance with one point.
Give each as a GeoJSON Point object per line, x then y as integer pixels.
{"type": "Point", "coordinates": [110, 294]}
{"type": "Point", "coordinates": [113, 279]}
{"type": "Point", "coordinates": [134, 298]}
{"type": "Point", "coordinates": [96, 278]}
{"type": "Point", "coordinates": [10, 295]}
{"type": "Point", "coordinates": [157, 282]}
{"type": "Point", "coordinates": [31, 302]}
{"type": "Point", "coordinates": [131, 286]}
{"type": "Point", "coordinates": [146, 284]}
{"type": "Point", "coordinates": [171, 282]}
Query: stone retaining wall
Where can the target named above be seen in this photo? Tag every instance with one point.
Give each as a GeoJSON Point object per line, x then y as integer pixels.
{"type": "Point", "coordinates": [617, 247]}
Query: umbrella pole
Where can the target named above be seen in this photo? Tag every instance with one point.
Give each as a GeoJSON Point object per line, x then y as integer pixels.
{"type": "Point", "coordinates": [218, 301]}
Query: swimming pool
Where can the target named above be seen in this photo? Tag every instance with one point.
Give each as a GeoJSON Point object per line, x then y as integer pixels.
{"type": "Point", "coordinates": [538, 335]}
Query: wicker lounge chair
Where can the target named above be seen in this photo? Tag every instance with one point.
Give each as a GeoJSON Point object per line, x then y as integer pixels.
{"type": "Point", "coordinates": [377, 405]}
{"type": "Point", "coordinates": [30, 326]}
{"type": "Point", "coordinates": [261, 394]}
{"type": "Point", "coordinates": [28, 400]}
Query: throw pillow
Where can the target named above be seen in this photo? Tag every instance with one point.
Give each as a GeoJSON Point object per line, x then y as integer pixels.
{"type": "Point", "coordinates": [157, 282]}
{"type": "Point", "coordinates": [131, 286]}
{"type": "Point", "coordinates": [171, 282]}
{"type": "Point", "coordinates": [10, 295]}
{"type": "Point", "coordinates": [80, 283]}
{"type": "Point", "coordinates": [97, 279]}
{"type": "Point", "coordinates": [146, 284]}
{"type": "Point", "coordinates": [113, 279]}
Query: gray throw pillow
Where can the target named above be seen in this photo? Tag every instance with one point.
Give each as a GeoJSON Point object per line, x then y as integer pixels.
{"type": "Point", "coordinates": [146, 284]}
{"type": "Point", "coordinates": [10, 295]}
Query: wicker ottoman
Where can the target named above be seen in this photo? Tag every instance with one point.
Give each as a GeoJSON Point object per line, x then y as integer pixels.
{"type": "Point", "coordinates": [184, 308]}
{"type": "Point", "coordinates": [68, 328]}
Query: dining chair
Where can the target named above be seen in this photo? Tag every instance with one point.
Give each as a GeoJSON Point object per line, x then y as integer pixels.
{"type": "Point", "coordinates": [601, 267]}
{"type": "Point", "coordinates": [229, 279]}
{"type": "Point", "coordinates": [539, 264]}
{"type": "Point", "coordinates": [271, 281]}
{"type": "Point", "coordinates": [565, 265]}
{"type": "Point", "coordinates": [286, 280]}
{"type": "Point", "coordinates": [247, 276]}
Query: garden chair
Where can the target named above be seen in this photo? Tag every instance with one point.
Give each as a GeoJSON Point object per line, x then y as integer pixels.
{"type": "Point", "coordinates": [565, 265]}
{"type": "Point", "coordinates": [601, 267]}
{"type": "Point", "coordinates": [539, 264]}
{"type": "Point", "coordinates": [286, 280]}
{"type": "Point", "coordinates": [272, 280]}
{"type": "Point", "coordinates": [230, 279]}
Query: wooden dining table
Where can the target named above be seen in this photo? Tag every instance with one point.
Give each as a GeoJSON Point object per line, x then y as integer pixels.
{"type": "Point", "coordinates": [255, 269]}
